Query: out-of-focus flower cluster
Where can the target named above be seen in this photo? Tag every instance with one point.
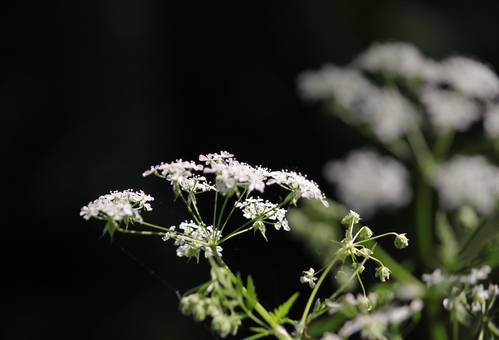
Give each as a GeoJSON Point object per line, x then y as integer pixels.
{"type": "Point", "coordinates": [465, 295]}
{"type": "Point", "coordinates": [403, 99]}
{"type": "Point", "coordinates": [452, 93]}
{"type": "Point", "coordinates": [374, 316]}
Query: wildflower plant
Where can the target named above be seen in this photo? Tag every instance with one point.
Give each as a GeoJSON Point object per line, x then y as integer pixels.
{"type": "Point", "coordinates": [416, 111]}
{"type": "Point", "coordinates": [228, 299]}
{"type": "Point", "coordinates": [434, 132]}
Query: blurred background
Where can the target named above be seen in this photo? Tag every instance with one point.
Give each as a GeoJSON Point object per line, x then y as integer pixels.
{"type": "Point", "coordinates": [92, 93]}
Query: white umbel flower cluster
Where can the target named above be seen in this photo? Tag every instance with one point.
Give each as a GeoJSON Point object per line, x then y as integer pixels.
{"type": "Point", "coordinates": [453, 93]}
{"type": "Point", "coordinates": [194, 238]}
{"type": "Point", "coordinates": [367, 181]}
{"type": "Point", "coordinates": [118, 205]}
{"type": "Point", "coordinates": [257, 209]}
{"type": "Point", "coordinates": [468, 180]}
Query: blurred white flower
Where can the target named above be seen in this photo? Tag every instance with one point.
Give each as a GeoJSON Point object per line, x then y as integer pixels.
{"type": "Point", "coordinates": [468, 180]}
{"type": "Point", "coordinates": [388, 113]}
{"type": "Point", "coordinates": [403, 59]}
{"type": "Point", "coordinates": [345, 85]}
{"type": "Point", "coordinates": [491, 121]}
{"type": "Point", "coordinates": [471, 77]}
{"type": "Point", "coordinates": [366, 181]}
{"type": "Point", "coordinates": [449, 109]}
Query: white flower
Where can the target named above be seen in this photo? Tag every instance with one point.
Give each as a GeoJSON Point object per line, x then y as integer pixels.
{"type": "Point", "coordinates": [298, 184]}
{"type": "Point", "coordinates": [308, 277]}
{"type": "Point", "coordinates": [449, 109]}
{"type": "Point", "coordinates": [118, 205]}
{"type": "Point", "coordinates": [366, 181]}
{"type": "Point", "coordinates": [434, 278]}
{"type": "Point", "coordinates": [231, 174]}
{"type": "Point", "coordinates": [195, 238]}
{"type": "Point", "coordinates": [345, 85]}
{"type": "Point", "coordinates": [476, 274]}
{"type": "Point", "coordinates": [403, 59]}
{"type": "Point", "coordinates": [471, 77]}
{"type": "Point", "coordinates": [468, 180]}
{"type": "Point", "coordinates": [491, 121]}
{"type": "Point", "coordinates": [388, 113]}
{"type": "Point", "coordinates": [257, 209]}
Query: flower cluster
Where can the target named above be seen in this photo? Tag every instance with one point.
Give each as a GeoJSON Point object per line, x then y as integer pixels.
{"type": "Point", "coordinates": [375, 317]}
{"type": "Point", "coordinates": [261, 212]}
{"type": "Point", "coordinates": [195, 238]}
{"type": "Point", "coordinates": [118, 205]}
{"type": "Point", "coordinates": [454, 92]}
{"type": "Point", "coordinates": [464, 295]}
{"type": "Point", "coordinates": [367, 181]}
{"type": "Point", "coordinates": [468, 180]}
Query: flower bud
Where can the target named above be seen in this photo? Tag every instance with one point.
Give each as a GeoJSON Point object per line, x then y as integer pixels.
{"type": "Point", "coordinates": [383, 273]}
{"type": "Point", "coordinates": [401, 241]}
{"type": "Point", "coordinates": [365, 233]}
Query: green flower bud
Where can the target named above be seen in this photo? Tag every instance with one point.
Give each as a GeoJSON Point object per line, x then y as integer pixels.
{"type": "Point", "coordinates": [365, 233]}
{"type": "Point", "coordinates": [199, 311]}
{"type": "Point", "coordinates": [358, 266]}
{"type": "Point", "coordinates": [221, 324]}
{"type": "Point", "coordinates": [351, 217]}
{"type": "Point", "coordinates": [401, 241]}
{"type": "Point", "coordinates": [383, 273]}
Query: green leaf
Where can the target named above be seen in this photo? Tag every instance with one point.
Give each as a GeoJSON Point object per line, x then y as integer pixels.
{"type": "Point", "coordinates": [261, 332]}
{"type": "Point", "coordinates": [283, 310]}
{"type": "Point", "coordinates": [250, 295]}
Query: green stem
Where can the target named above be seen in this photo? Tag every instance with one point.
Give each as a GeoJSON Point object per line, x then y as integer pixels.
{"type": "Point", "coordinates": [424, 223]}
{"type": "Point", "coordinates": [314, 292]}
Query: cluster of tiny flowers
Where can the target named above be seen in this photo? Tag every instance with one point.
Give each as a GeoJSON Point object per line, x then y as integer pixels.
{"type": "Point", "coordinates": [177, 171]}
{"type": "Point", "coordinates": [465, 294]}
{"type": "Point", "coordinates": [231, 173]}
{"type": "Point", "coordinates": [193, 239]}
{"type": "Point", "coordinates": [372, 325]}
{"type": "Point", "coordinates": [118, 205]}
{"type": "Point", "coordinates": [257, 209]}
{"type": "Point", "coordinates": [298, 184]}
{"type": "Point", "coordinates": [200, 307]}
{"type": "Point", "coordinates": [367, 181]}
{"type": "Point", "coordinates": [468, 180]}
{"type": "Point", "coordinates": [449, 91]}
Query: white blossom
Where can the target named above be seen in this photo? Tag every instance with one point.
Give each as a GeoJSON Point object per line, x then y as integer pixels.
{"type": "Point", "coordinates": [257, 209]}
{"type": "Point", "coordinates": [231, 174]}
{"type": "Point", "coordinates": [118, 205]}
{"type": "Point", "coordinates": [491, 121]}
{"type": "Point", "coordinates": [308, 277]}
{"type": "Point", "coordinates": [434, 278]}
{"type": "Point", "coordinates": [471, 77]}
{"type": "Point", "coordinates": [468, 180]}
{"type": "Point", "coordinates": [346, 85]}
{"type": "Point", "coordinates": [193, 238]}
{"type": "Point", "coordinates": [366, 181]}
{"type": "Point", "coordinates": [403, 59]}
{"type": "Point", "coordinates": [388, 114]}
{"type": "Point", "coordinates": [449, 109]}
{"type": "Point", "coordinates": [298, 185]}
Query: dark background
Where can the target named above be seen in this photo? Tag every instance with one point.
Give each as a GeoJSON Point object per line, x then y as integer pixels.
{"type": "Point", "coordinates": [92, 93]}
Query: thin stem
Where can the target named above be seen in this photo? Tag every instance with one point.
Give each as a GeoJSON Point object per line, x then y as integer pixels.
{"type": "Point", "coordinates": [314, 291]}
{"type": "Point", "coordinates": [424, 225]}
